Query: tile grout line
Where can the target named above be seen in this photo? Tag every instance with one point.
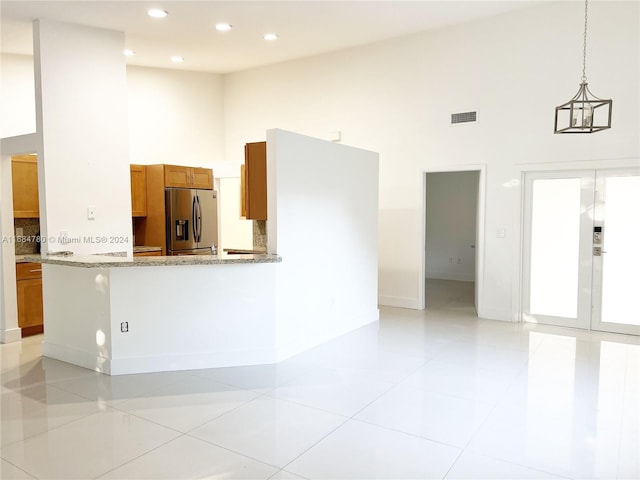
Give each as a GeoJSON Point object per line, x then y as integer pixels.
{"type": "Point", "coordinates": [20, 468]}
{"type": "Point", "coordinates": [352, 417]}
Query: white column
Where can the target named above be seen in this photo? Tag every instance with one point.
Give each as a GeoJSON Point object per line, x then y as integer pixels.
{"type": "Point", "coordinates": [81, 112]}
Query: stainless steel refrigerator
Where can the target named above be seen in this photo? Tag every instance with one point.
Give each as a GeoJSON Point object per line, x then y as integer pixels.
{"type": "Point", "coordinates": [192, 221]}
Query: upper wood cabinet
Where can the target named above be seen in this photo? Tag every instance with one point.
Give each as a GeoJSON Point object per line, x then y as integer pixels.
{"type": "Point", "coordinates": [254, 181]}
{"type": "Point", "coordinates": [24, 172]}
{"type": "Point", "coordinates": [138, 190]}
{"type": "Point", "coordinates": [152, 229]}
{"type": "Point", "coordinates": [188, 177]}
{"type": "Point", "coordinates": [243, 192]}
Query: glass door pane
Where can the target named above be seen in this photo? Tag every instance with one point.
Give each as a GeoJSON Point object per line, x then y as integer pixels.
{"type": "Point", "coordinates": [558, 208]}
{"type": "Point", "coordinates": [617, 271]}
{"type": "Point", "coordinates": [555, 236]}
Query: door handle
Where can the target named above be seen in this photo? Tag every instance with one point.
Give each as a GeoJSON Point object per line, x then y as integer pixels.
{"type": "Point", "coordinates": [199, 220]}
{"type": "Point", "coordinates": [194, 219]}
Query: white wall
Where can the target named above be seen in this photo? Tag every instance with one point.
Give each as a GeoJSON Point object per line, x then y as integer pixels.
{"type": "Point", "coordinates": [175, 117]}
{"type": "Point", "coordinates": [9, 330]}
{"type": "Point", "coordinates": [235, 232]}
{"type": "Point", "coordinates": [323, 221]}
{"type": "Point", "coordinates": [396, 97]}
{"type": "Point", "coordinates": [452, 199]}
{"type": "Point", "coordinates": [83, 159]}
{"type": "Point", "coordinates": [17, 95]}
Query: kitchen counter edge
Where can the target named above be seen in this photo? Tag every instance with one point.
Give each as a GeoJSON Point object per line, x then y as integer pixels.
{"type": "Point", "coordinates": [106, 261]}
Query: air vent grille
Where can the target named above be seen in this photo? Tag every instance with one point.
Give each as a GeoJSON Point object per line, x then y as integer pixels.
{"type": "Point", "coordinates": [464, 117]}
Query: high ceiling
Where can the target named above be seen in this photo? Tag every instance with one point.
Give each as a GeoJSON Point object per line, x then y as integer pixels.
{"type": "Point", "coordinates": [304, 27]}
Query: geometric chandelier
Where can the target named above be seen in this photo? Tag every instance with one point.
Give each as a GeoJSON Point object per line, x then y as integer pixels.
{"type": "Point", "coordinates": [584, 113]}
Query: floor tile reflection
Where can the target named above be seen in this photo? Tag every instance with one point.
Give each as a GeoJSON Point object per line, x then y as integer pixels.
{"type": "Point", "coordinates": [426, 394]}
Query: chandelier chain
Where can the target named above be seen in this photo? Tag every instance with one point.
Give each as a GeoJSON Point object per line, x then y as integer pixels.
{"type": "Point", "coordinates": [584, 45]}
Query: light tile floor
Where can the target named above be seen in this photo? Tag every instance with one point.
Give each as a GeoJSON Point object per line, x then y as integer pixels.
{"type": "Point", "coordinates": [423, 394]}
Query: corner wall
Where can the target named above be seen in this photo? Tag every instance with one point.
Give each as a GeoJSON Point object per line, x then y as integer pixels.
{"type": "Point", "coordinates": [395, 97]}
{"type": "Point", "coordinates": [323, 221]}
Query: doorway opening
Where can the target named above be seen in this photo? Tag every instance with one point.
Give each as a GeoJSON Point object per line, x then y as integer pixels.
{"type": "Point", "coordinates": [453, 258]}
{"type": "Point", "coordinates": [580, 256]}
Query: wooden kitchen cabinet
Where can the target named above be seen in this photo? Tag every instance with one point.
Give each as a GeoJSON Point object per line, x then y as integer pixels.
{"type": "Point", "coordinates": [138, 190]}
{"type": "Point", "coordinates": [188, 177]}
{"type": "Point", "coordinates": [243, 193]}
{"type": "Point", "coordinates": [254, 181]}
{"type": "Point", "coordinates": [29, 296]}
{"type": "Point", "coordinates": [156, 253]}
{"type": "Point", "coordinates": [24, 172]}
{"type": "Point", "coordinates": [202, 178]}
{"type": "Point", "coordinates": [151, 230]}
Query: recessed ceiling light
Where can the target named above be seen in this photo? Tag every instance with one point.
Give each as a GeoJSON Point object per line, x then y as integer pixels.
{"type": "Point", "coordinates": [223, 27]}
{"type": "Point", "coordinates": [270, 36]}
{"type": "Point", "coordinates": [128, 52]}
{"type": "Point", "coordinates": [157, 13]}
{"type": "Point", "coordinates": [177, 59]}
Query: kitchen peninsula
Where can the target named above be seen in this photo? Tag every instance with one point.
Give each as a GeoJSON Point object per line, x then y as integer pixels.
{"type": "Point", "coordinates": [145, 314]}
{"type": "Point", "coordinates": [125, 314]}
{"type": "Point", "coordinates": [322, 218]}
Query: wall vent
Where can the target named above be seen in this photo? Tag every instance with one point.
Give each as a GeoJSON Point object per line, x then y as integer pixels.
{"type": "Point", "coordinates": [464, 117]}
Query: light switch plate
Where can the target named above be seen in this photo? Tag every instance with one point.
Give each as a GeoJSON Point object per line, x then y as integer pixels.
{"type": "Point", "coordinates": [91, 213]}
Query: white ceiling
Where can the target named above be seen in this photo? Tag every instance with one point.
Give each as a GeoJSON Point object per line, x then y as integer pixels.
{"type": "Point", "coordinates": [305, 27]}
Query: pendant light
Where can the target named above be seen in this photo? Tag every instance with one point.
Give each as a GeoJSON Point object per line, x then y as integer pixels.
{"type": "Point", "coordinates": [584, 113]}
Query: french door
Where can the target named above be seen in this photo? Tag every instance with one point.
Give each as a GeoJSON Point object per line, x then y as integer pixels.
{"type": "Point", "coordinates": [582, 249]}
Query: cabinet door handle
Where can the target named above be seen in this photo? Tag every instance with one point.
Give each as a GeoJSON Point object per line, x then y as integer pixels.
{"type": "Point", "coordinates": [35, 271]}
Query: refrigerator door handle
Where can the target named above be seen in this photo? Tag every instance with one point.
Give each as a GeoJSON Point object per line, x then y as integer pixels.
{"type": "Point", "coordinates": [194, 220]}
{"type": "Point", "coordinates": [199, 219]}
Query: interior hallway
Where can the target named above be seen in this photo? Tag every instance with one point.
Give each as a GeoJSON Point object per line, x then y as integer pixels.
{"type": "Point", "coordinates": [423, 394]}
{"type": "Point", "coordinates": [442, 296]}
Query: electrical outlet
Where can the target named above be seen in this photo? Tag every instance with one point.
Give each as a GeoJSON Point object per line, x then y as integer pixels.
{"type": "Point", "coordinates": [124, 327]}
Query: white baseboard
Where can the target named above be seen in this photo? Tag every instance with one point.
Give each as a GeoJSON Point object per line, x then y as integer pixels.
{"type": "Point", "coordinates": [459, 277]}
{"type": "Point", "coordinates": [401, 302]}
{"type": "Point", "coordinates": [191, 361]}
{"type": "Point", "coordinates": [160, 363]}
{"type": "Point", "coordinates": [81, 358]}
{"type": "Point", "coordinates": [12, 335]}
{"type": "Point", "coordinates": [313, 339]}
{"type": "Point", "coordinates": [495, 314]}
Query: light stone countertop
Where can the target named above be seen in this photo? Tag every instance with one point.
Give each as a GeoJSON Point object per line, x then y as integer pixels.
{"type": "Point", "coordinates": [141, 249]}
{"type": "Point", "coordinates": [22, 259]}
{"type": "Point", "coordinates": [108, 261]}
{"type": "Point", "coordinates": [144, 249]}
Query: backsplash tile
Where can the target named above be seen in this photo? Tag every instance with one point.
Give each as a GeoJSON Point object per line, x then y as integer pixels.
{"type": "Point", "coordinates": [30, 230]}
{"type": "Point", "coordinates": [260, 235]}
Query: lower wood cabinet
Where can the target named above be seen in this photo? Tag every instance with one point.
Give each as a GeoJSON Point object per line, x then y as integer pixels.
{"type": "Point", "coordinates": [156, 253]}
{"type": "Point", "coordinates": [29, 290]}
